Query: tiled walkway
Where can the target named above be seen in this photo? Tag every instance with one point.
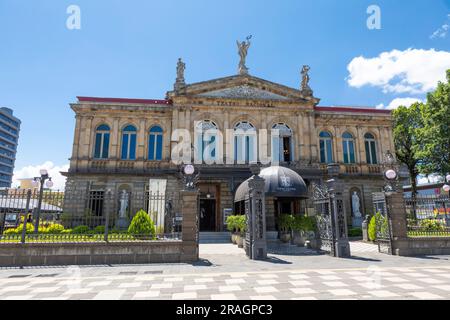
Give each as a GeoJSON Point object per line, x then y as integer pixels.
{"type": "Point", "coordinates": [224, 272]}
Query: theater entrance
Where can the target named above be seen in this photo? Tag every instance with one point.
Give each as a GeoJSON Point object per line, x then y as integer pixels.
{"type": "Point", "coordinates": [207, 215]}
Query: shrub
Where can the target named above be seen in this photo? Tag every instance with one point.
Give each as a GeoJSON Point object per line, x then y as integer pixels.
{"type": "Point", "coordinates": [11, 231]}
{"type": "Point", "coordinates": [431, 225]}
{"type": "Point", "coordinates": [99, 230]}
{"type": "Point", "coordinates": [378, 221]}
{"type": "Point", "coordinates": [231, 223]}
{"type": "Point", "coordinates": [372, 229]}
{"type": "Point", "coordinates": [80, 230]}
{"type": "Point", "coordinates": [55, 228]}
{"type": "Point", "coordinates": [303, 223]}
{"type": "Point", "coordinates": [67, 231]}
{"type": "Point", "coordinates": [355, 232]}
{"type": "Point", "coordinates": [142, 225]}
{"type": "Point", "coordinates": [285, 222]}
{"type": "Point", "coordinates": [241, 224]}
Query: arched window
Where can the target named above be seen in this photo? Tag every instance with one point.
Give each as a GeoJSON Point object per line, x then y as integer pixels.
{"type": "Point", "coordinates": [129, 143]}
{"type": "Point", "coordinates": [206, 132]}
{"type": "Point", "coordinates": [101, 149]}
{"type": "Point", "coordinates": [282, 143]}
{"type": "Point", "coordinates": [326, 147]}
{"type": "Point", "coordinates": [245, 148]}
{"type": "Point", "coordinates": [371, 148]}
{"type": "Point", "coordinates": [348, 146]}
{"type": "Point", "coordinates": [155, 143]}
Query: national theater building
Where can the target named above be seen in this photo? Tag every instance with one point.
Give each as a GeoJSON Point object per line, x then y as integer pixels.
{"type": "Point", "coordinates": [124, 144]}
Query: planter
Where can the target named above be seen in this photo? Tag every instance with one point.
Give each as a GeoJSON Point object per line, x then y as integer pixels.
{"type": "Point", "coordinates": [240, 241]}
{"type": "Point", "coordinates": [299, 239]}
{"type": "Point", "coordinates": [285, 236]}
{"type": "Point", "coordinates": [233, 238]}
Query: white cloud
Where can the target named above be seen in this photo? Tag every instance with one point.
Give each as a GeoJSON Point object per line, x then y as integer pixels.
{"type": "Point", "coordinates": [413, 71]}
{"type": "Point", "coordinates": [443, 30]}
{"type": "Point", "coordinates": [394, 104]}
{"type": "Point", "coordinates": [33, 171]}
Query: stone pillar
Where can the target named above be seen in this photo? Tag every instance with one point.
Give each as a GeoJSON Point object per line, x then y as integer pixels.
{"type": "Point", "coordinates": [190, 235]}
{"type": "Point", "coordinates": [255, 238]}
{"type": "Point", "coordinates": [396, 209]}
{"type": "Point", "coordinates": [339, 218]}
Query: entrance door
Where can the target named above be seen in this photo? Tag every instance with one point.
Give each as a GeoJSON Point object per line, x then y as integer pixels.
{"type": "Point", "coordinates": [207, 215]}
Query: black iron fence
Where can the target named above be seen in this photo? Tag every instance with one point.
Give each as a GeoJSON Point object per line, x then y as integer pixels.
{"type": "Point", "coordinates": [428, 216]}
{"type": "Point", "coordinates": [92, 216]}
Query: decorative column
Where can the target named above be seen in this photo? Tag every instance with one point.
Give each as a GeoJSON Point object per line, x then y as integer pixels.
{"type": "Point", "coordinates": [190, 209]}
{"type": "Point", "coordinates": [335, 187]}
{"type": "Point", "coordinates": [396, 211]}
{"type": "Point", "coordinates": [255, 211]}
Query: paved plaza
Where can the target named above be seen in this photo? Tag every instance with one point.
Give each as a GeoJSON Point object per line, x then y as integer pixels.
{"type": "Point", "coordinates": [224, 273]}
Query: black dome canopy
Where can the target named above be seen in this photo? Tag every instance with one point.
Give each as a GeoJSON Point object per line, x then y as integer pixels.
{"type": "Point", "coordinates": [280, 182]}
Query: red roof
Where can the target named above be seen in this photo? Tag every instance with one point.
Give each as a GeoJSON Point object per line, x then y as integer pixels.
{"type": "Point", "coordinates": [353, 109]}
{"type": "Point", "coordinates": [122, 100]}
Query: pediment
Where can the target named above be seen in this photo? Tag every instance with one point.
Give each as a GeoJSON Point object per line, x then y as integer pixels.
{"type": "Point", "coordinates": [242, 87]}
{"type": "Point", "coordinates": [244, 91]}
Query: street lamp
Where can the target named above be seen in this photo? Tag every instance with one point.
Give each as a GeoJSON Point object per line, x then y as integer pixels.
{"type": "Point", "coordinates": [41, 181]}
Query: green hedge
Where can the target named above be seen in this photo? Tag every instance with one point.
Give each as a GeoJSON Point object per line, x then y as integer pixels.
{"type": "Point", "coordinates": [355, 232]}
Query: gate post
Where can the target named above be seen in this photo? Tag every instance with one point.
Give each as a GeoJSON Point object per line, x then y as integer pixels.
{"type": "Point", "coordinates": [342, 246]}
{"type": "Point", "coordinates": [396, 212]}
{"type": "Point", "coordinates": [189, 205]}
{"type": "Point", "coordinates": [255, 211]}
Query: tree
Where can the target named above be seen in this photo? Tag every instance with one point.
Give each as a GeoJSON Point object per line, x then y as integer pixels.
{"type": "Point", "coordinates": [407, 124]}
{"type": "Point", "coordinates": [435, 134]}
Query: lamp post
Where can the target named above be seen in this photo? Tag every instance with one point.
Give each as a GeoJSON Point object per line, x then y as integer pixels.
{"type": "Point", "coordinates": [390, 174]}
{"type": "Point", "coordinates": [446, 186]}
{"type": "Point", "coordinates": [41, 181]}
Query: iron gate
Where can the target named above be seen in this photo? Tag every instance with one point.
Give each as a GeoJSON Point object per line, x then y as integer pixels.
{"type": "Point", "coordinates": [382, 223]}
{"type": "Point", "coordinates": [325, 218]}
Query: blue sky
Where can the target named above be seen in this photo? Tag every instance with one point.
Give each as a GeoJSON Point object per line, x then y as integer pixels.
{"type": "Point", "coordinates": [130, 48]}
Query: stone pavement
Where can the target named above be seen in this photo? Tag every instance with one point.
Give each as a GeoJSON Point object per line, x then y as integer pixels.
{"type": "Point", "coordinates": [225, 273]}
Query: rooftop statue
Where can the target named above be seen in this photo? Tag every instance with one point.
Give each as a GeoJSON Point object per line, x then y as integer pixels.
{"type": "Point", "coordinates": [243, 50]}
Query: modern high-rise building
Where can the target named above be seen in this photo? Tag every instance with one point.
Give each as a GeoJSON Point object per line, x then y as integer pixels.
{"type": "Point", "coordinates": [9, 136]}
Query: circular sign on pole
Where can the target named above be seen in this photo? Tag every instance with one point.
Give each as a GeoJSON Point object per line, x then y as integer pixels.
{"type": "Point", "coordinates": [390, 174]}
{"type": "Point", "coordinates": [189, 169]}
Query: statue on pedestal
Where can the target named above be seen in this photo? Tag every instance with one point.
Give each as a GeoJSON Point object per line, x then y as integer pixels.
{"type": "Point", "coordinates": [180, 82]}
{"type": "Point", "coordinates": [243, 50]}
{"type": "Point", "coordinates": [356, 208]}
{"type": "Point", "coordinates": [123, 204]}
{"type": "Point", "coordinates": [356, 205]}
{"type": "Point", "coordinates": [305, 88]}
{"type": "Point", "coordinates": [123, 222]}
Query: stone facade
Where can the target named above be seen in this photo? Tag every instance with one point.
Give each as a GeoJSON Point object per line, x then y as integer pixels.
{"type": "Point", "coordinates": [224, 102]}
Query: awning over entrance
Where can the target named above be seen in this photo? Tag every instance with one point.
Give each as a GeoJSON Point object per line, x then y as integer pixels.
{"type": "Point", "coordinates": [280, 182]}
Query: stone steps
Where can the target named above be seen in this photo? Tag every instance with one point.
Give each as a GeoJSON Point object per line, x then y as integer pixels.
{"type": "Point", "coordinates": [214, 237]}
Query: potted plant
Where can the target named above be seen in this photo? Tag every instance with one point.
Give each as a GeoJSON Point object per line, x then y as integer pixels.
{"type": "Point", "coordinates": [285, 223]}
{"type": "Point", "coordinates": [299, 230]}
{"type": "Point", "coordinates": [241, 226]}
{"type": "Point", "coordinates": [231, 226]}
{"type": "Point", "coordinates": [310, 227]}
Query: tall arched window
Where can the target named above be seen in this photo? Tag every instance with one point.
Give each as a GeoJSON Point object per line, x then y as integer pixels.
{"type": "Point", "coordinates": [282, 143]}
{"type": "Point", "coordinates": [155, 143]}
{"type": "Point", "coordinates": [348, 146]}
{"type": "Point", "coordinates": [371, 148]}
{"type": "Point", "coordinates": [129, 143]}
{"type": "Point", "coordinates": [326, 147]}
{"type": "Point", "coordinates": [245, 143]}
{"type": "Point", "coordinates": [101, 149]}
{"type": "Point", "coordinates": [206, 132]}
